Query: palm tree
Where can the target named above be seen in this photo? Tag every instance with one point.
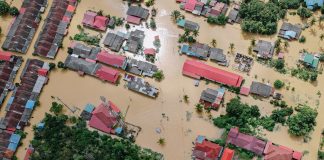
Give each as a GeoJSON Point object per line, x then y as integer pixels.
{"type": "Point", "coordinates": [322, 37]}
{"type": "Point", "coordinates": [175, 15]}
{"type": "Point", "coordinates": [161, 141]}
{"type": "Point", "coordinates": [232, 47]}
{"type": "Point", "coordinates": [253, 42]}
{"type": "Point", "coordinates": [213, 42]}
{"type": "Point", "coordinates": [186, 98]}
{"type": "Point", "coordinates": [187, 32]}
{"type": "Point", "coordinates": [195, 33]}
{"type": "Point", "coordinates": [277, 43]}
{"type": "Point", "coordinates": [312, 22]}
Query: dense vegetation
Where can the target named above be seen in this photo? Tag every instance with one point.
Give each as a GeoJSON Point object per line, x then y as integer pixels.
{"type": "Point", "coordinates": [85, 37]}
{"type": "Point", "coordinates": [75, 142]}
{"type": "Point", "coordinates": [303, 122]}
{"type": "Point", "coordinates": [4, 8]}
{"type": "Point", "coordinates": [260, 17]}
{"type": "Point", "coordinates": [219, 20]}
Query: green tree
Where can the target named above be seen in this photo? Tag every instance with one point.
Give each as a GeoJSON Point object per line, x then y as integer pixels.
{"type": "Point", "coordinates": [199, 108]}
{"type": "Point", "coordinates": [213, 42]}
{"type": "Point", "coordinates": [186, 98]}
{"type": "Point", "coordinates": [195, 33]}
{"type": "Point", "coordinates": [52, 66]}
{"type": "Point", "coordinates": [304, 12]}
{"type": "Point", "coordinates": [322, 37]}
{"type": "Point", "coordinates": [127, 26]}
{"type": "Point", "coordinates": [278, 84]}
{"type": "Point", "coordinates": [159, 75]}
{"type": "Point", "coordinates": [13, 11]}
{"type": "Point", "coordinates": [161, 141]}
{"type": "Point", "coordinates": [175, 15]}
{"type": "Point", "coordinates": [4, 8]}
{"type": "Point", "coordinates": [56, 108]}
{"type": "Point", "coordinates": [303, 122]}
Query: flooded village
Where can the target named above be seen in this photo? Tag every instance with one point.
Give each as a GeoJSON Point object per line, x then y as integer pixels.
{"type": "Point", "coordinates": [165, 77]}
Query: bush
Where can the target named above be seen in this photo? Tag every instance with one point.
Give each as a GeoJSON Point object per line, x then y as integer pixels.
{"type": "Point", "coordinates": [159, 75]}
{"type": "Point", "coordinates": [304, 12]}
{"type": "Point", "coordinates": [289, 4]}
{"type": "Point", "coordinates": [302, 39]}
{"type": "Point", "coordinates": [219, 20]}
{"type": "Point", "coordinates": [56, 108]}
{"type": "Point", "coordinates": [278, 84]}
{"type": "Point", "coordinates": [14, 11]}
{"type": "Point", "coordinates": [4, 8]}
{"type": "Point", "coordinates": [52, 66]}
{"type": "Point", "coordinates": [303, 122]}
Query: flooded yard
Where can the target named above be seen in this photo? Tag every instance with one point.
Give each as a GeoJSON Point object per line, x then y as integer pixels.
{"type": "Point", "coordinates": [181, 123]}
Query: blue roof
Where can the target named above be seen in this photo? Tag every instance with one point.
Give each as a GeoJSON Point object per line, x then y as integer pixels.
{"type": "Point", "coordinates": [200, 139]}
{"type": "Point", "coordinates": [40, 125]}
{"type": "Point", "coordinates": [30, 104]}
{"type": "Point", "coordinates": [89, 108]}
{"type": "Point", "coordinates": [11, 100]}
{"type": "Point", "coordinates": [290, 34]}
{"type": "Point", "coordinates": [185, 49]}
{"type": "Point", "coordinates": [222, 90]}
{"type": "Point", "coordinates": [15, 138]}
{"type": "Point", "coordinates": [118, 130]}
{"type": "Point", "coordinates": [13, 146]}
{"type": "Point", "coordinates": [181, 22]}
{"type": "Point", "coordinates": [310, 3]}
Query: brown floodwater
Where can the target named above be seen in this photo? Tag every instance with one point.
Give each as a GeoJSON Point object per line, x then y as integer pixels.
{"type": "Point", "coordinates": [183, 123]}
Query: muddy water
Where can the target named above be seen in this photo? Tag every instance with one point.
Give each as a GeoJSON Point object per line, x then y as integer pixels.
{"type": "Point", "coordinates": [180, 129]}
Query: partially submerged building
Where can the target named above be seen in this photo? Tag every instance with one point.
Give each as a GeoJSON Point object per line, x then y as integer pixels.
{"type": "Point", "coordinates": [264, 49]}
{"type": "Point", "coordinates": [9, 65]}
{"type": "Point", "coordinates": [212, 97]}
{"type": "Point", "coordinates": [261, 89]}
{"type": "Point", "coordinates": [55, 28]}
{"type": "Point", "coordinates": [309, 60]}
{"type": "Point", "coordinates": [136, 13]}
{"type": "Point", "coordinates": [276, 152]}
{"type": "Point", "coordinates": [106, 118]}
{"type": "Point", "coordinates": [114, 41]}
{"type": "Point", "coordinates": [92, 20]}
{"type": "Point", "coordinates": [24, 98]}
{"type": "Point", "coordinates": [290, 31]}
{"type": "Point", "coordinates": [188, 25]}
{"type": "Point", "coordinates": [9, 144]}
{"type": "Point", "coordinates": [135, 41]}
{"type": "Point", "coordinates": [143, 68]}
{"type": "Point", "coordinates": [24, 26]}
{"type": "Point", "coordinates": [111, 59]}
{"type": "Point", "coordinates": [141, 86]}
{"type": "Point", "coordinates": [245, 141]}
{"type": "Point", "coordinates": [217, 55]}
{"type": "Point", "coordinates": [84, 51]}
{"type": "Point", "coordinates": [197, 50]}
{"type": "Point", "coordinates": [205, 150]}
{"type": "Point", "coordinates": [233, 16]}
{"type": "Point", "coordinates": [199, 70]}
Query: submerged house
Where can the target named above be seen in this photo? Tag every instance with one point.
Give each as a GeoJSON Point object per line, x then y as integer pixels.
{"type": "Point", "coordinates": [218, 9]}
{"type": "Point", "coordinates": [199, 70]}
{"type": "Point", "coordinates": [309, 60]}
{"type": "Point", "coordinates": [135, 41]}
{"type": "Point", "coordinates": [138, 67]}
{"type": "Point", "coordinates": [245, 141]}
{"type": "Point", "coordinates": [212, 97]}
{"type": "Point", "coordinates": [106, 118]}
{"type": "Point", "coordinates": [205, 150]}
{"type": "Point", "coordinates": [217, 55]}
{"type": "Point", "coordinates": [264, 49]}
{"type": "Point", "coordinates": [114, 41]}
{"type": "Point", "coordinates": [290, 31]}
{"type": "Point", "coordinates": [189, 25]}
{"type": "Point", "coordinates": [24, 26]}
{"type": "Point", "coordinates": [55, 28]}
{"type": "Point", "coordinates": [194, 51]}
{"type": "Point", "coordinates": [136, 13]}
{"type": "Point", "coordinates": [275, 152]}
{"type": "Point", "coordinates": [233, 16]}
{"type": "Point", "coordinates": [261, 89]}
{"type": "Point", "coordinates": [84, 51]}
{"type": "Point", "coordinates": [114, 60]}
{"type": "Point", "coordinates": [9, 144]}
{"type": "Point", "coordinates": [139, 85]}
{"type": "Point", "coordinates": [92, 20]}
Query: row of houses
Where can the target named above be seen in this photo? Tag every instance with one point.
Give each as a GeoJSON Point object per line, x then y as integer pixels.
{"type": "Point", "coordinates": [204, 52]}
{"type": "Point", "coordinates": [55, 28]}
{"type": "Point", "coordinates": [9, 144]}
{"type": "Point", "coordinates": [130, 65]}
{"type": "Point", "coordinates": [92, 20]}
{"type": "Point", "coordinates": [21, 104]}
{"type": "Point", "coordinates": [260, 147]}
{"type": "Point", "coordinates": [139, 85]}
{"type": "Point", "coordinates": [91, 67]}
{"type": "Point", "coordinates": [24, 26]}
{"type": "Point", "coordinates": [9, 65]}
{"type": "Point", "coordinates": [134, 41]}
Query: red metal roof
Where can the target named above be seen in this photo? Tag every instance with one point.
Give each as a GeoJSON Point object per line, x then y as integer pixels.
{"type": "Point", "coordinates": [100, 23]}
{"type": "Point", "coordinates": [42, 72]}
{"type": "Point", "coordinates": [190, 5]}
{"type": "Point", "coordinates": [245, 91]}
{"type": "Point", "coordinates": [28, 153]}
{"type": "Point", "coordinates": [133, 19]}
{"type": "Point", "coordinates": [88, 18]}
{"type": "Point", "coordinates": [196, 69]}
{"type": "Point", "coordinates": [206, 150]}
{"type": "Point", "coordinates": [111, 59]}
{"type": "Point", "coordinates": [149, 51]}
{"type": "Point", "coordinates": [107, 74]}
{"type": "Point", "coordinates": [228, 154]}
{"type": "Point", "coordinates": [274, 152]}
{"type": "Point", "coordinates": [103, 119]}
{"type": "Point", "coordinates": [5, 56]}
{"type": "Point", "coordinates": [70, 8]}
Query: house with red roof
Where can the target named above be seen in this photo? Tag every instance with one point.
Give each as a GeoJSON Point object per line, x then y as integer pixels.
{"type": "Point", "coordinates": [206, 150]}
{"type": "Point", "coordinates": [245, 141]}
{"type": "Point", "coordinates": [198, 70]}
{"type": "Point", "coordinates": [150, 51]}
{"type": "Point", "coordinates": [275, 152]}
{"type": "Point", "coordinates": [133, 20]}
{"type": "Point", "coordinates": [114, 60]}
{"type": "Point", "coordinates": [5, 56]}
{"type": "Point", "coordinates": [228, 154]}
{"type": "Point", "coordinates": [190, 5]}
{"type": "Point", "coordinates": [92, 20]}
{"type": "Point", "coordinates": [105, 117]}
{"type": "Point", "coordinates": [107, 74]}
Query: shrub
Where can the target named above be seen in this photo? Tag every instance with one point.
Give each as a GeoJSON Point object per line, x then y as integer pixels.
{"type": "Point", "coordinates": [159, 75]}
{"type": "Point", "coordinates": [4, 8]}
{"type": "Point", "coordinates": [302, 39]}
{"type": "Point", "coordinates": [278, 84]}
{"type": "Point", "coordinates": [219, 20]}
{"type": "Point", "coordinates": [13, 11]}
{"type": "Point", "coordinates": [304, 12]}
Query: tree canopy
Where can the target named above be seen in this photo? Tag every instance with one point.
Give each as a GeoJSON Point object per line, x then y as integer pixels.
{"type": "Point", "coordinates": [4, 8]}
{"type": "Point", "coordinates": [75, 142]}
{"type": "Point", "coordinates": [303, 122]}
{"type": "Point", "coordinates": [260, 17]}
